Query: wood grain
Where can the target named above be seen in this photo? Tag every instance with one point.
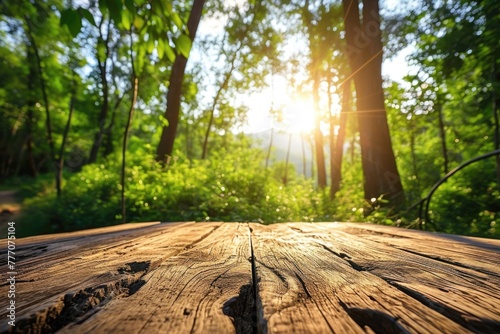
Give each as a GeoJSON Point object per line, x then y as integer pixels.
{"type": "Point", "coordinates": [340, 297]}
{"type": "Point", "coordinates": [251, 278]}
{"type": "Point", "coordinates": [186, 293]}
{"type": "Point", "coordinates": [54, 276]}
{"type": "Point", "coordinates": [467, 296]}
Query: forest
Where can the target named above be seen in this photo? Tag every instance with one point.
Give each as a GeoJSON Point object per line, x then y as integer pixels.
{"type": "Point", "coordinates": [269, 111]}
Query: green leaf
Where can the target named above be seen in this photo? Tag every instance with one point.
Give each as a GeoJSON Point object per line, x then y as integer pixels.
{"type": "Point", "coordinates": [73, 20]}
{"type": "Point", "coordinates": [126, 20]}
{"type": "Point", "coordinates": [150, 45]}
{"type": "Point", "coordinates": [183, 45]}
{"type": "Point", "coordinates": [141, 56]}
{"type": "Point", "coordinates": [160, 49]}
{"type": "Point", "coordinates": [168, 8]}
{"type": "Point", "coordinates": [177, 20]}
{"type": "Point", "coordinates": [115, 10]}
{"type": "Point", "coordinates": [169, 52]}
{"type": "Point", "coordinates": [87, 15]}
{"type": "Point", "coordinates": [163, 120]}
{"type": "Point", "coordinates": [139, 22]}
{"type": "Point", "coordinates": [102, 5]}
{"type": "Point", "coordinates": [129, 4]}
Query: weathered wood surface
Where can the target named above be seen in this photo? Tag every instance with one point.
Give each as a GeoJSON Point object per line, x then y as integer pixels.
{"type": "Point", "coordinates": [251, 278]}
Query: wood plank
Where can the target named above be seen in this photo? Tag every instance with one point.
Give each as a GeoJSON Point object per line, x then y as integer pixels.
{"type": "Point", "coordinates": [304, 288]}
{"type": "Point", "coordinates": [480, 254]}
{"type": "Point", "coordinates": [311, 278]}
{"type": "Point", "coordinates": [85, 233]}
{"type": "Point", "coordinates": [466, 296]}
{"type": "Point", "coordinates": [195, 291]}
{"type": "Point", "coordinates": [91, 268]}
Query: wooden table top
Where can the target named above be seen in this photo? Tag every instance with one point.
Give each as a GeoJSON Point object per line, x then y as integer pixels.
{"type": "Point", "coordinates": [251, 278]}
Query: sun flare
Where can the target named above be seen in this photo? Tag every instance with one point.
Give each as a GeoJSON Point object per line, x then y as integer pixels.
{"type": "Point", "coordinates": [299, 114]}
{"type": "Point", "coordinates": [276, 107]}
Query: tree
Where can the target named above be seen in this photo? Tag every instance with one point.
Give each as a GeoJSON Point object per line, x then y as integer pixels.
{"type": "Point", "coordinates": [135, 86]}
{"type": "Point", "coordinates": [460, 39]}
{"type": "Point", "coordinates": [364, 50]}
{"type": "Point", "coordinates": [337, 149]}
{"type": "Point", "coordinates": [249, 50]}
{"type": "Point", "coordinates": [166, 144]}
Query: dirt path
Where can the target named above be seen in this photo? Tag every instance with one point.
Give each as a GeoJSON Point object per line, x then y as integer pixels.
{"type": "Point", "coordinates": [9, 209]}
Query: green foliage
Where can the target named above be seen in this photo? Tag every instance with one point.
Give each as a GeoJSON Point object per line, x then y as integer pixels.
{"type": "Point", "coordinates": [468, 203]}
{"type": "Point", "coordinates": [456, 56]}
{"type": "Point", "coordinates": [231, 186]}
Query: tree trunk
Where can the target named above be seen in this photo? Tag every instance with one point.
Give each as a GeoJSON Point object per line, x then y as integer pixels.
{"type": "Point", "coordinates": [135, 86]}
{"type": "Point", "coordinates": [103, 114]}
{"type": "Point", "coordinates": [166, 144]}
{"type": "Point", "coordinates": [48, 122]}
{"type": "Point", "coordinates": [331, 121]}
{"type": "Point", "coordinates": [108, 146]}
{"type": "Point", "coordinates": [268, 156]}
{"type": "Point", "coordinates": [304, 167]}
{"type": "Point", "coordinates": [222, 87]}
{"type": "Point", "coordinates": [31, 106]}
{"type": "Point", "coordinates": [338, 152]}
{"type": "Point", "coordinates": [318, 136]}
{"type": "Point", "coordinates": [311, 143]}
{"type": "Point", "coordinates": [285, 179]}
{"type": "Point", "coordinates": [442, 134]}
{"type": "Point", "coordinates": [491, 13]}
{"type": "Point", "coordinates": [189, 154]}
{"type": "Point", "coordinates": [414, 157]}
{"type": "Point", "coordinates": [364, 48]}
{"type": "Point", "coordinates": [495, 106]}
{"type": "Point", "coordinates": [60, 162]}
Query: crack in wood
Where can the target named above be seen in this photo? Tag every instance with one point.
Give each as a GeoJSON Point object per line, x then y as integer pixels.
{"type": "Point", "coordinates": [344, 257]}
{"type": "Point", "coordinates": [241, 309]}
{"type": "Point", "coordinates": [201, 238]}
{"type": "Point", "coordinates": [276, 272]}
{"type": "Point", "coordinates": [440, 259]}
{"type": "Point", "coordinates": [79, 306]}
{"type": "Point", "coordinates": [259, 324]}
{"type": "Point", "coordinates": [377, 321]}
{"type": "Point", "coordinates": [473, 323]}
{"type": "Point", "coordinates": [308, 294]}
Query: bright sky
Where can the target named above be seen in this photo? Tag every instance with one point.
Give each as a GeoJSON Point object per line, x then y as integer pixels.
{"type": "Point", "coordinates": [296, 109]}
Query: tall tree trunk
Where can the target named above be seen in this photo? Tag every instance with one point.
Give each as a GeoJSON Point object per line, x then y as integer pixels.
{"type": "Point", "coordinates": [338, 152]}
{"type": "Point", "coordinates": [318, 136]}
{"type": "Point", "coordinates": [31, 106]}
{"type": "Point", "coordinates": [108, 132]}
{"type": "Point", "coordinates": [103, 113]}
{"type": "Point", "coordinates": [495, 107]}
{"type": "Point", "coordinates": [491, 13]}
{"type": "Point", "coordinates": [222, 87]}
{"type": "Point", "coordinates": [304, 165]}
{"type": "Point", "coordinates": [60, 162]}
{"type": "Point", "coordinates": [166, 144]}
{"type": "Point", "coordinates": [48, 122]}
{"type": "Point", "coordinates": [268, 156]}
{"type": "Point", "coordinates": [135, 88]}
{"type": "Point", "coordinates": [414, 157]}
{"type": "Point", "coordinates": [364, 43]}
{"type": "Point", "coordinates": [442, 134]}
{"type": "Point", "coordinates": [108, 139]}
{"type": "Point", "coordinates": [108, 146]}
{"type": "Point", "coordinates": [285, 179]}
{"type": "Point", "coordinates": [311, 143]}
{"type": "Point", "coordinates": [189, 154]}
{"type": "Point", "coordinates": [331, 121]}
